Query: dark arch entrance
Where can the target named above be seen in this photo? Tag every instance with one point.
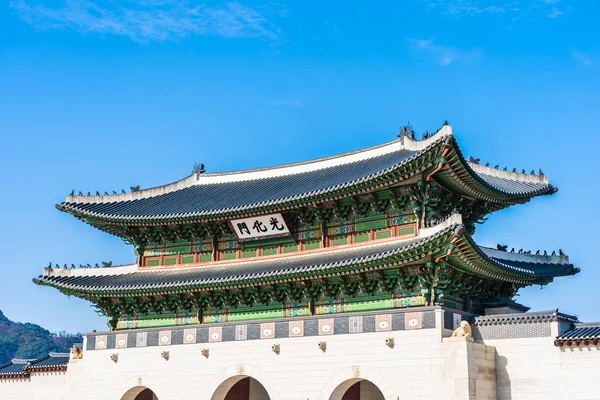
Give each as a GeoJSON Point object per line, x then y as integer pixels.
{"type": "Point", "coordinates": [357, 389]}
{"type": "Point", "coordinates": [139, 393]}
{"type": "Point", "coordinates": [146, 394]}
{"type": "Point", "coordinates": [241, 388]}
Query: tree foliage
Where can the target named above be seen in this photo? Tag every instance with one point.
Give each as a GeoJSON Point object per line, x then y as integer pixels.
{"type": "Point", "coordinates": [30, 340]}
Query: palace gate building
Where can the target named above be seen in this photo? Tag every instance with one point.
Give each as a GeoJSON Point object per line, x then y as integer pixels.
{"type": "Point", "coordinates": [343, 278]}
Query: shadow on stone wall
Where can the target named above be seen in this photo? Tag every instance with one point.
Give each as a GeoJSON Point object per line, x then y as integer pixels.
{"type": "Point", "coordinates": [503, 383]}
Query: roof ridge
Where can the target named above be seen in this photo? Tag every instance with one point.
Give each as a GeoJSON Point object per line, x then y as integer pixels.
{"type": "Point", "coordinates": [587, 324]}
{"type": "Point", "coordinates": [516, 176]}
{"type": "Point", "coordinates": [22, 360]}
{"type": "Point", "coordinates": [57, 354]}
{"type": "Point", "coordinates": [538, 316]}
{"type": "Point", "coordinates": [509, 255]}
{"type": "Point", "coordinates": [197, 178]}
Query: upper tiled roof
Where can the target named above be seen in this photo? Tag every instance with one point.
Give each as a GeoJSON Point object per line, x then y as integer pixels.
{"type": "Point", "coordinates": [215, 194]}
{"type": "Point", "coordinates": [202, 199]}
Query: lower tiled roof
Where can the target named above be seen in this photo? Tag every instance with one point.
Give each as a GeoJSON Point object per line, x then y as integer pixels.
{"type": "Point", "coordinates": [539, 265]}
{"type": "Point", "coordinates": [526, 317]}
{"type": "Point", "coordinates": [52, 361]}
{"type": "Point", "coordinates": [580, 334]}
{"type": "Point", "coordinates": [20, 368]}
{"type": "Point", "coordinates": [235, 272]}
{"type": "Point", "coordinates": [14, 368]}
{"type": "Point", "coordinates": [292, 266]}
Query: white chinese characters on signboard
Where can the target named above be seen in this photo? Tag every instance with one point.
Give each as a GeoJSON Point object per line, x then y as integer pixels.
{"type": "Point", "coordinates": [259, 227]}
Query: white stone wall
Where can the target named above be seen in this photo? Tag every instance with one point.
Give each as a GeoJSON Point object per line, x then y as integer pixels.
{"type": "Point", "coordinates": [40, 386]}
{"type": "Point", "coordinates": [420, 365]}
{"type": "Point", "coordinates": [533, 368]}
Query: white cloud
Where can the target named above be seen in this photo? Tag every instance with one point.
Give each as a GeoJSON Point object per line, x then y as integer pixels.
{"type": "Point", "coordinates": [513, 9]}
{"type": "Point", "coordinates": [581, 56]}
{"type": "Point", "coordinates": [152, 20]}
{"type": "Point", "coordinates": [555, 13]}
{"type": "Point", "coordinates": [442, 55]}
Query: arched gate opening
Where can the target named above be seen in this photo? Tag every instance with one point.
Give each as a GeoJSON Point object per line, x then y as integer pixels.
{"type": "Point", "coordinates": [241, 388]}
{"type": "Point", "coordinates": [139, 393]}
{"type": "Point", "coordinates": [357, 389]}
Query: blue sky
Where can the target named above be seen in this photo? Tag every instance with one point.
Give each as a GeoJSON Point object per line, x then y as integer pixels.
{"type": "Point", "coordinates": [103, 95]}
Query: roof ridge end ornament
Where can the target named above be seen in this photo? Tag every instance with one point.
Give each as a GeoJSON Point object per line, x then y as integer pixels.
{"type": "Point", "coordinates": [198, 169]}
{"type": "Point", "coordinates": [460, 230]}
{"type": "Point", "coordinates": [406, 131]}
{"type": "Point", "coordinates": [523, 176]}
{"type": "Point", "coordinates": [408, 140]}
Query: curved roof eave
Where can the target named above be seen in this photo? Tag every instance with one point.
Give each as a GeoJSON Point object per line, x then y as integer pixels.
{"type": "Point", "coordinates": [537, 269]}
{"type": "Point", "coordinates": [294, 267]}
{"type": "Point", "coordinates": [479, 181]}
{"type": "Point", "coordinates": [490, 181]}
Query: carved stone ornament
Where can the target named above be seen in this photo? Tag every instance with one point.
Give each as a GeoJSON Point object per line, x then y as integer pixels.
{"type": "Point", "coordinates": [355, 372]}
{"type": "Point", "coordinates": [76, 353]}
{"type": "Point", "coordinates": [239, 369]}
{"type": "Point", "coordinates": [464, 330]}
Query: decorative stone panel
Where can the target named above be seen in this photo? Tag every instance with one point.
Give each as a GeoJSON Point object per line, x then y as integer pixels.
{"type": "Point", "coordinates": [286, 328]}
{"type": "Point", "coordinates": [121, 341]}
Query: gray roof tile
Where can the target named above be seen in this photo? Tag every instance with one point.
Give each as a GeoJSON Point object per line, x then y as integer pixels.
{"type": "Point", "coordinates": [526, 317]}
{"type": "Point", "coordinates": [14, 367]}
{"type": "Point", "coordinates": [587, 331]}
{"type": "Point", "coordinates": [514, 187]}
{"type": "Point", "coordinates": [219, 197]}
{"type": "Point", "coordinates": [21, 367]}
{"type": "Point", "coordinates": [541, 266]}
{"type": "Point", "coordinates": [52, 360]}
